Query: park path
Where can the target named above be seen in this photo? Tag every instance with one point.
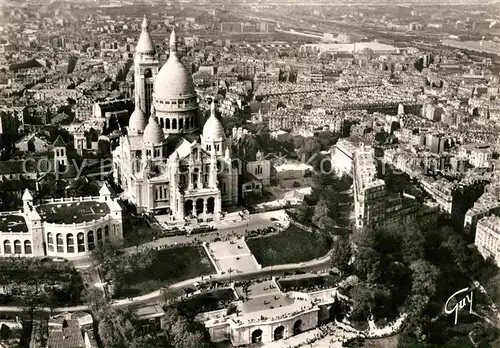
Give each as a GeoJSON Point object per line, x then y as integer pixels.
{"type": "Point", "coordinates": [156, 296]}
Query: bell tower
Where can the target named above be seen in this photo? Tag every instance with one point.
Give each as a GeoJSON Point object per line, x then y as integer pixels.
{"type": "Point", "coordinates": [145, 68]}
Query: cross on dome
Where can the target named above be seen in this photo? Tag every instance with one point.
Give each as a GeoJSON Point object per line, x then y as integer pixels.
{"type": "Point", "coordinates": [173, 42]}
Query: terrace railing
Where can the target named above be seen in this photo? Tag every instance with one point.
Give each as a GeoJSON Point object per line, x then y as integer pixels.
{"type": "Point", "coordinates": [71, 199]}
{"type": "Point", "coordinates": [13, 212]}
{"type": "Point", "coordinates": [79, 225]}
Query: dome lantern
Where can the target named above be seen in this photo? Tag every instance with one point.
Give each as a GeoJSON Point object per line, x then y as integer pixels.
{"type": "Point", "coordinates": [145, 44]}
{"type": "Point", "coordinates": [173, 42]}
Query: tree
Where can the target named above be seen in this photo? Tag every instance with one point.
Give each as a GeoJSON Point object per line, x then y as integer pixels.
{"type": "Point", "coordinates": [116, 328]}
{"type": "Point", "coordinates": [412, 243]}
{"type": "Point", "coordinates": [320, 216]}
{"type": "Point", "coordinates": [424, 278]}
{"type": "Point", "coordinates": [95, 299]}
{"type": "Point", "coordinates": [367, 259]}
{"type": "Point", "coordinates": [362, 298]}
{"type": "Point", "coordinates": [341, 254]}
{"type": "Point", "coordinates": [180, 333]}
{"type": "Point", "coordinates": [50, 186]}
{"type": "Point", "coordinates": [303, 213]}
{"type": "Point", "coordinates": [5, 332]}
{"type": "Point", "coordinates": [486, 335]}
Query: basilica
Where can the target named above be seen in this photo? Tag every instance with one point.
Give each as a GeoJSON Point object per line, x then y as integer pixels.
{"type": "Point", "coordinates": [165, 164]}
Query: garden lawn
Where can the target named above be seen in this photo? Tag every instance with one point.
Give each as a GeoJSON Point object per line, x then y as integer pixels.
{"type": "Point", "coordinates": [167, 267]}
{"type": "Point", "coordinates": [291, 246]}
{"type": "Point", "coordinates": [207, 302]}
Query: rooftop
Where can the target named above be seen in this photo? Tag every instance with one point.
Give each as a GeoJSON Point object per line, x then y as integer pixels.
{"type": "Point", "coordinates": [74, 212]}
{"type": "Point", "coordinates": [69, 337]}
{"type": "Point", "coordinates": [492, 222]}
{"type": "Point", "coordinates": [13, 223]}
{"type": "Point", "coordinates": [149, 311]}
{"type": "Point", "coordinates": [267, 302]}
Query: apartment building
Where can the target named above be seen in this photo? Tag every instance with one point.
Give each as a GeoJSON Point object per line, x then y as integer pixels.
{"type": "Point", "coordinates": [488, 236]}
{"type": "Point", "coordinates": [369, 191]}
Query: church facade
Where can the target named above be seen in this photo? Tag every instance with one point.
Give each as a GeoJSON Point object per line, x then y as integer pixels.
{"type": "Point", "coordinates": [165, 164]}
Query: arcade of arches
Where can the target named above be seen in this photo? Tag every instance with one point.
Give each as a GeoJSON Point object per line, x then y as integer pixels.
{"type": "Point", "coordinates": [279, 332]}
{"type": "Point", "coordinates": [199, 206]}
{"type": "Point", "coordinates": [77, 243]}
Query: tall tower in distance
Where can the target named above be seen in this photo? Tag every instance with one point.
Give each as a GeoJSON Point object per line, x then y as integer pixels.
{"type": "Point", "coordinates": [145, 68]}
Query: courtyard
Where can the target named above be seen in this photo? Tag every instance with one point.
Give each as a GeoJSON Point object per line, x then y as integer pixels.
{"type": "Point", "coordinates": [74, 212]}
{"type": "Point", "coordinates": [294, 245]}
{"type": "Point", "coordinates": [233, 255]}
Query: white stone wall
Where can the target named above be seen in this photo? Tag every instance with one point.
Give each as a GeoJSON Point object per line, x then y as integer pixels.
{"type": "Point", "coordinates": [243, 335]}
{"type": "Point", "coordinates": [62, 240]}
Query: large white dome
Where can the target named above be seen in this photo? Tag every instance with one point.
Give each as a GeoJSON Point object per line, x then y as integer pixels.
{"type": "Point", "coordinates": [173, 80]}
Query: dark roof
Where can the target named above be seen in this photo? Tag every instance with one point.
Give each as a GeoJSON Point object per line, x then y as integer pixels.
{"type": "Point", "coordinates": [25, 166]}
{"type": "Point", "coordinates": [69, 337]}
{"type": "Point", "coordinates": [247, 177]}
{"type": "Point", "coordinates": [59, 141]}
{"type": "Point", "coordinates": [75, 212]}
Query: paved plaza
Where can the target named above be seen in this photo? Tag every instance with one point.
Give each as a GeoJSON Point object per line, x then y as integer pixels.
{"type": "Point", "coordinates": [233, 255]}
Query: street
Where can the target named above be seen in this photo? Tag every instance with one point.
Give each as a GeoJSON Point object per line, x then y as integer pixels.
{"type": "Point", "coordinates": [255, 221]}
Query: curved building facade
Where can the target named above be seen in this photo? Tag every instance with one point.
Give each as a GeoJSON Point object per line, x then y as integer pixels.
{"type": "Point", "coordinates": [66, 228]}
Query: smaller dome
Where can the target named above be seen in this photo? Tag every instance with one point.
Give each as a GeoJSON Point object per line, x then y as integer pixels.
{"type": "Point", "coordinates": [137, 120]}
{"type": "Point", "coordinates": [153, 134]}
{"type": "Point", "coordinates": [213, 128]}
{"type": "Point", "coordinates": [145, 44]}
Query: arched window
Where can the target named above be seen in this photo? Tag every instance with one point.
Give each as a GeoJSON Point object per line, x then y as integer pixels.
{"type": "Point", "coordinates": [162, 125]}
{"type": "Point", "coordinates": [81, 242]}
{"type": "Point", "coordinates": [60, 243]}
{"type": "Point", "coordinates": [90, 240]}
{"type": "Point", "coordinates": [148, 73]}
{"type": "Point", "coordinates": [106, 233]}
{"type": "Point", "coordinates": [99, 236]}
{"type": "Point", "coordinates": [174, 123]}
{"type": "Point", "coordinates": [7, 248]}
{"type": "Point", "coordinates": [57, 152]}
{"type": "Point", "coordinates": [70, 243]}
{"type": "Point", "coordinates": [50, 241]}
{"type": "Point", "coordinates": [27, 247]}
{"type": "Point", "coordinates": [17, 247]}
{"type": "Point", "coordinates": [167, 123]}
{"type": "Point", "coordinates": [192, 121]}
{"type": "Point", "coordinates": [181, 124]}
